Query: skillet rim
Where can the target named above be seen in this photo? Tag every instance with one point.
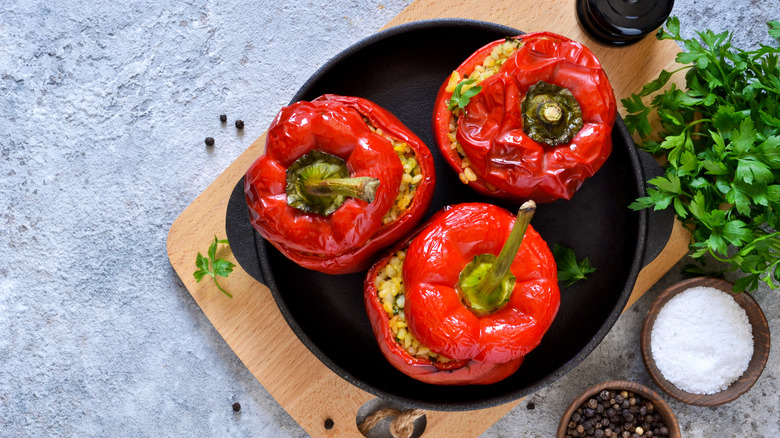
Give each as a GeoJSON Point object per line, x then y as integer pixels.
{"type": "Point", "coordinates": [606, 326]}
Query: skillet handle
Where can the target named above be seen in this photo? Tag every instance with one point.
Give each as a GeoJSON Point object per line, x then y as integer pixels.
{"type": "Point", "coordinates": [659, 223]}
{"type": "Point", "coordinates": [242, 237]}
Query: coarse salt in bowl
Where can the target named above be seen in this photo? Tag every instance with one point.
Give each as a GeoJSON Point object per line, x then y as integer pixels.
{"type": "Point", "coordinates": [702, 340]}
{"type": "Point", "coordinates": [704, 344]}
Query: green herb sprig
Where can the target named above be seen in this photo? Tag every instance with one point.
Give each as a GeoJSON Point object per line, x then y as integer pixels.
{"type": "Point", "coordinates": [774, 29]}
{"type": "Point", "coordinates": [721, 137]}
{"type": "Point", "coordinates": [213, 266]}
{"type": "Point", "coordinates": [461, 98]}
{"type": "Point", "coordinates": [569, 269]}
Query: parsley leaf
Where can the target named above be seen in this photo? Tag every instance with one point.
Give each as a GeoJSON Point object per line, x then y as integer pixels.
{"type": "Point", "coordinates": [569, 269]}
{"type": "Point", "coordinates": [774, 29]}
{"type": "Point", "coordinates": [213, 266]}
{"type": "Point", "coordinates": [721, 138]}
{"type": "Point", "coordinates": [461, 98]}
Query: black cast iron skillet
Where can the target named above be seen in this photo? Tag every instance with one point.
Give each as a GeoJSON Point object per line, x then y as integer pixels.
{"type": "Point", "coordinates": [402, 69]}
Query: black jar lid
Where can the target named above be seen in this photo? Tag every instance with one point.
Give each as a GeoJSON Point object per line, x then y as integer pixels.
{"type": "Point", "coordinates": [622, 22]}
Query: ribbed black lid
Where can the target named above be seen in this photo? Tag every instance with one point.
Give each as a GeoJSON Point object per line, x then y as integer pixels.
{"type": "Point", "coordinates": [622, 22]}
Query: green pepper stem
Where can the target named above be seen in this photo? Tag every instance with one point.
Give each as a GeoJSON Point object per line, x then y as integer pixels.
{"type": "Point", "coordinates": [486, 283]}
{"type": "Point", "coordinates": [362, 187]}
{"type": "Point", "coordinates": [319, 182]}
{"type": "Point", "coordinates": [512, 244]}
{"type": "Point", "coordinates": [550, 112]}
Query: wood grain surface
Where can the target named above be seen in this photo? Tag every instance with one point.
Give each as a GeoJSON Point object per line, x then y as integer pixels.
{"type": "Point", "coordinates": [252, 325]}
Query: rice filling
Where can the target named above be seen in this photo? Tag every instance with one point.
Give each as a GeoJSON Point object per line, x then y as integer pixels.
{"type": "Point", "coordinates": [390, 290]}
{"type": "Point", "coordinates": [490, 66]}
{"type": "Point", "coordinates": [410, 180]}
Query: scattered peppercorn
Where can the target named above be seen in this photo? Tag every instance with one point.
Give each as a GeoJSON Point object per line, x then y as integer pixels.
{"type": "Point", "coordinates": [223, 118]}
{"type": "Point", "coordinates": [613, 414]}
{"type": "Point", "coordinates": [530, 406]}
{"type": "Point", "coordinates": [236, 407]}
{"type": "Point", "coordinates": [209, 141]}
{"type": "Point", "coordinates": [329, 423]}
{"type": "Point", "coordinates": [240, 124]}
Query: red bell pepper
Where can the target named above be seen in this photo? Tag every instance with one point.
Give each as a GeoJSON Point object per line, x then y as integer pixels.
{"type": "Point", "coordinates": [341, 179]}
{"type": "Point", "coordinates": [534, 129]}
{"type": "Point", "coordinates": [479, 291]}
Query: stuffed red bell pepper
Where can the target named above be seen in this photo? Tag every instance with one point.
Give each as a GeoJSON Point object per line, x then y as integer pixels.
{"type": "Point", "coordinates": [528, 117]}
{"type": "Point", "coordinates": [466, 297]}
{"type": "Point", "coordinates": [341, 179]}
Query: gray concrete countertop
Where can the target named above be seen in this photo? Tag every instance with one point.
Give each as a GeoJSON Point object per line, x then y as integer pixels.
{"type": "Point", "coordinates": [104, 107]}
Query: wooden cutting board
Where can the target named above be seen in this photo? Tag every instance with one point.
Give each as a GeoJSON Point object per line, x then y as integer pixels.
{"type": "Point", "coordinates": [251, 323]}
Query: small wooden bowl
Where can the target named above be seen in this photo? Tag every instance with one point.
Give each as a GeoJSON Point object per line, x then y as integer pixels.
{"type": "Point", "coordinates": [760, 344]}
{"type": "Point", "coordinates": [648, 394]}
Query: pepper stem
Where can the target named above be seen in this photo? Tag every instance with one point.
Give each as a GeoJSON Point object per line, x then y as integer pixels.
{"type": "Point", "coordinates": [319, 183]}
{"type": "Point", "coordinates": [486, 283]}
{"type": "Point", "coordinates": [551, 114]}
{"type": "Point", "coordinates": [361, 187]}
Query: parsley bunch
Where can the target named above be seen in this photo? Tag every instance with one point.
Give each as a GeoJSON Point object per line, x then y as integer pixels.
{"type": "Point", "coordinates": [721, 137]}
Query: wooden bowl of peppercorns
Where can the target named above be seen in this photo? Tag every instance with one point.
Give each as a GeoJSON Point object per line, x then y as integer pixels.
{"type": "Point", "coordinates": [619, 409]}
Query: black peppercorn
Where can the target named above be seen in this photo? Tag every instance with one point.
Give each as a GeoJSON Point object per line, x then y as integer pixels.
{"type": "Point", "coordinates": [613, 414]}
{"type": "Point", "coordinates": [223, 118]}
{"type": "Point", "coordinates": [209, 141]}
{"type": "Point", "coordinates": [240, 124]}
{"type": "Point", "coordinates": [329, 424]}
{"type": "Point", "coordinates": [236, 407]}
{"type": "Point", "coordinates": [530, 406]}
